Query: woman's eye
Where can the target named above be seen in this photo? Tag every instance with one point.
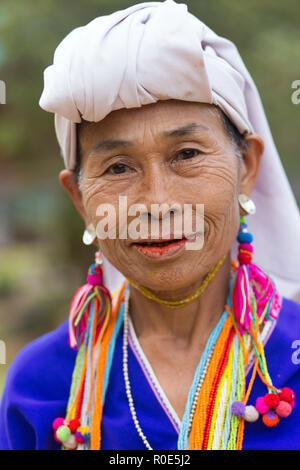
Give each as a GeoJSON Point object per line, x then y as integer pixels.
{"type": "Point", "coordinates": [188, 153]}
{"type": "Point", "coordinates": [117, 169]}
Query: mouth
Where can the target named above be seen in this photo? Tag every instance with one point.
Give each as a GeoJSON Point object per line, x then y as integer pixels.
{"type": "Point", "coordinates": [161, 248]}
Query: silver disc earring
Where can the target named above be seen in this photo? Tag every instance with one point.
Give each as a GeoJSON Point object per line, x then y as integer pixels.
{"type": "Point", "coordinates": [89, 235]}
{"type": "Point", "coordinates": [247, 204]}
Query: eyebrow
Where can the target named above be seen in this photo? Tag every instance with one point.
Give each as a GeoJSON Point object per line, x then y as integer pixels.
{"type": "Point", "coordinates": [111, 144]}
{"type": "Point", "coordinates": [184, 130]}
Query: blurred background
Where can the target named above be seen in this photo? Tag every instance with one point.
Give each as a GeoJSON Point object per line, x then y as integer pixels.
{"type": "Point", "coordinates": [42, 259]}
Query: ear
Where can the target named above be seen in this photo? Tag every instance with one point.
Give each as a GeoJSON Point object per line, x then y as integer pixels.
{"type": "Point", "coordinates": [251, 163]}
{"type": "Point", "coordinates": [69, 182]}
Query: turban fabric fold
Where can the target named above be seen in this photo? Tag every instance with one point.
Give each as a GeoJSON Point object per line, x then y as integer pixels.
{"type": "Point", "coordinates": [158, 51]}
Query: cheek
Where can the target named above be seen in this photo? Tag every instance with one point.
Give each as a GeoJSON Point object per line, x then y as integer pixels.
{"type": "Point", "coordinates": [218, 188]}
{"type": "Point", "coordinates": [114, 252]}
{"type": "Point", "coordinates": [108, 213]}
{"type": "Point", "coordinates": [94, 191]}
{"type": "Point", "coordinates": [99, 198]}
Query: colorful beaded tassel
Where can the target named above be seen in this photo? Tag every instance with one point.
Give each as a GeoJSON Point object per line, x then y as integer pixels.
{"type": "Point", "coordinates": [255, 300]}
{"type": "Point", "coordinates": [251, 283]}
{"type": "Point", "coordinates": [90, 315]}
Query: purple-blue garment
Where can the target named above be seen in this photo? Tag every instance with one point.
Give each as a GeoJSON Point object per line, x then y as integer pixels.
{"type": "Point", "coordinates": [38, 381]}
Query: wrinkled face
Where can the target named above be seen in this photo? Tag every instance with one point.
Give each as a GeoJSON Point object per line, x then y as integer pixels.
{"type": "Point", "coordinates": [170, 152]}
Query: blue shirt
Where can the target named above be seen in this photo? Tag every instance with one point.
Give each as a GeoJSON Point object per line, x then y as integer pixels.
{"type": "Point", "coordinates": [38, 382]}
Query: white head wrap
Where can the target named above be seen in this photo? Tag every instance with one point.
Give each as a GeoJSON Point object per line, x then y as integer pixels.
{"type": "Point", "coordinates": [158, 51]}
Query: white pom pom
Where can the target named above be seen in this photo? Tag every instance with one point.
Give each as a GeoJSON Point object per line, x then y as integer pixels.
{"type": "Point", "coordinates": [251, 414]}
{"type": "Point", "coordinates": [71, 442]}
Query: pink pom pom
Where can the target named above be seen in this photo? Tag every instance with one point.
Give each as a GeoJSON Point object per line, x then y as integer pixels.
{"type": "Point", "coordinates": [95, 275]}
{"type": "Point", "coordinates": [261, 406]}
{"type": "Point", "coordinates": [58, 422]}
{"type": "Point", "coordinates": [284, 409]}
{"type": "Point", "coordinates": [246, 246]}
{"type": "Point", "coordinates": [95, 279]}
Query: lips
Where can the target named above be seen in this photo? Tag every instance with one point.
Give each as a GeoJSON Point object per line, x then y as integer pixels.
{"type": "Point", "coordinates": [157, 242]}
{"type": "Point", "coordinates": [161, 248]}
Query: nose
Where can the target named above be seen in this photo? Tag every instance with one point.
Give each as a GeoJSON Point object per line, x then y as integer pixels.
{"type": "Point", "coordinates": [158, 196]}
{"type": "Point", "coordinates": [158, 188]}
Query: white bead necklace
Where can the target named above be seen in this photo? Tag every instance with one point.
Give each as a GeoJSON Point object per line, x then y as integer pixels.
{"type": "Point", "coordinates": [127, 383]}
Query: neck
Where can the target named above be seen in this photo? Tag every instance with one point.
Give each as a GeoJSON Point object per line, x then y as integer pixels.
{"type": "Point", "coordinates": [188, 326]}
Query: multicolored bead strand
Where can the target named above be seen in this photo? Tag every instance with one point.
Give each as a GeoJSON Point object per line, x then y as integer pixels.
{"type": "Point", "coordinates": [197, 383]}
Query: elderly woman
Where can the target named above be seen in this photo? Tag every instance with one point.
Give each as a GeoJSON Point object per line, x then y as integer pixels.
{"type": "Point", "coordinates": [171, 344]}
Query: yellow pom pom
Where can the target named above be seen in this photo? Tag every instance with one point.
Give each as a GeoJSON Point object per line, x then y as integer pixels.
{"type": "Point", "coordinates": [83, 429]}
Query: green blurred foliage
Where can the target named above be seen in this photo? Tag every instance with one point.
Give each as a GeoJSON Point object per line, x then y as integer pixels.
{"type": "Point", "coordinates": [42, 259]}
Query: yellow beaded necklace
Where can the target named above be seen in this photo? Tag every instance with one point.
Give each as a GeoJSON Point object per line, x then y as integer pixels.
{"type": "Point", "coordinates": [186, 300]}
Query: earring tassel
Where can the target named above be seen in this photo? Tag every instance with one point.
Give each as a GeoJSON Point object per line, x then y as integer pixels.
{"type": "Point", "coordinates": [255, 299]}
{"type": "Point", "coordinates": [252, 282]}
{"type": "Point", "coordinates": [90, 314]}
{"type": "Point", "coordinates": [92, 295]}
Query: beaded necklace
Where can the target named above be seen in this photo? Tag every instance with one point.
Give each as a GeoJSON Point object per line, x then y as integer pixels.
{"type": "Point", "coordinates": [189, 298]}
{"type": "Point", "coordinates": [201, 370]}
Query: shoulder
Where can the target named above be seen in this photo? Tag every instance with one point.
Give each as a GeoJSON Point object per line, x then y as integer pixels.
{"type": "Point", "coordinates": [289, 328]}
{"type": "Point", "coordinates": [41, 361]}
{"type": "Point", "coordinates": [291, 305]}
{"type": "Point", "coordinates": [289, 318]}
{"type": "Point", "coordinates": [36, 391]}
{"type": "Point", "coordinates": [283, 347]}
